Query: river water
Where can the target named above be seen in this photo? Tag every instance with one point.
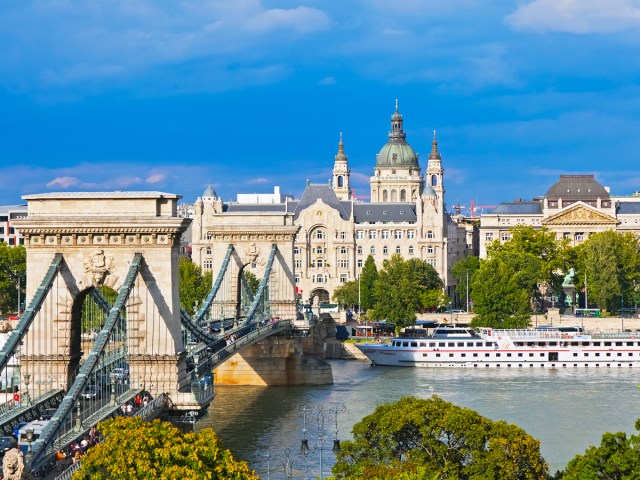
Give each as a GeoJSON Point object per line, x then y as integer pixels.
{"type": "Point", "coordinates": [566, 409]}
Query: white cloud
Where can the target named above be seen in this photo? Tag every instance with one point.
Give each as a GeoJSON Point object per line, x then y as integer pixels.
{"type": "Point", "coordinates": [576, 16]}
{"type": "Point", "coordinates": [63, 182]}
{"type": "Point", "coordinates": [155, 178]}
{"type": "Point", "coordinates": [300, 19]}
{"type": "Point", "coordinates": [258, 181]}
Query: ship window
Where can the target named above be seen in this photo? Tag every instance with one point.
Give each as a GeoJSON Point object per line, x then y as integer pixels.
{"type": "Point", "coordinates": [586, 354]}
{"type": "Point", "coordinates": [405, 344]}
{"type": "Point", "coordinates": [486, 355]}
{"type": "Point", "coordinates": [619, 354]}
{"type": "Point", "coordinates": [630, 354]}
{"type": "Point", "coordinates": [489, 344]}
{"type": "Point", "coordinates": [597, 354]}
{"type": "Point", "coordinates": [618, 344]}
{"type": "Point", "coordinates": [607, 344]}
{"type": "Point", "coordinates": [508, 354]}
{"type": "Point", "coordinates": [423, 344]}
{"type": "Point", "coordinates": [542, 354]}
{"type": "Point", "coordinates": [608, 354]}
{"type": "Point", "coordinates": [414, 344]}
{"type": "Point", "coordinates": [478, 344]}
{"type": "Point", "coordinates": [497, 354]}
{"type": "Point", "coordinates": [437, 354]}
{"type": "Point", "coordinates": [586, 344]}
{"type": "Point", "coordinates": [596, 344]}
{"type": "Point", "coordinates": [425, 354]}
{"type": "Point", "coordinates": [531, 354]}
{"type": "Point", "coordinates": [575, 344]}
{"type": "Point", "coordinates": [451, 354]}
{"type": "Point", "coordinates": [475, 354]}
{"type": "Point", "coordinates": [451, 344]}
{"type": "Point", "coordinates": [432, 344]}
{"type": "Point", "coordinates": [519, 354]}
{"type": "Point", "coordinates": [461, 344]}
{"type": "Point", "coordinates": [553, 344]}
{"type": "Point", "coordinates": [441, 344]}
{"type": "Point", "coordinates": [463, 354]}
{"type": "Point", "coordinates": [630, 344]}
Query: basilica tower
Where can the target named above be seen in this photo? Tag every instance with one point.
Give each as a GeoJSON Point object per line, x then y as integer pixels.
{"type": "Point", "coordinates": [341, 173]}
{"type": "Point", "coordinates": [397, 176]}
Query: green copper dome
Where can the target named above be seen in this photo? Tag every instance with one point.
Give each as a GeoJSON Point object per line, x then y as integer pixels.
{"type": "Point", "coordinates": [397, 152]}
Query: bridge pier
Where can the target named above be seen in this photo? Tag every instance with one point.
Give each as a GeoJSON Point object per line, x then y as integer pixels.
{"type": "Point", "coordinates": [279, 360]}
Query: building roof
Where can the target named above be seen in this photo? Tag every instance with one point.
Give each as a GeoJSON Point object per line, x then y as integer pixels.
{"type": "Point", "coordinates": [576, 188]}
{"type": "Point", "coordinates": [518, 208]}
{"type": "Point", "coordinates": [397, 152]}
{"type": "Point", "coordinates": [384, 212]}
{"type": "Point", "coordinates": [254, 207]}
{"type": "Point", "coordinates": [209, 191]}
{"type": "Point", "coordinates": [114, 194]}
{"type": "Point", "coordinates": [322, 192]}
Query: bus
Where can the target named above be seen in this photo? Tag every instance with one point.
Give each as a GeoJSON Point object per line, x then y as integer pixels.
{"type": "Point", "coordinates": [588, 312]}
{"type": "Point", "coordinates": [36, 426]}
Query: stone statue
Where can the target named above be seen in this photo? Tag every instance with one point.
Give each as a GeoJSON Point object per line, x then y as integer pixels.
{"type": "Point", "coordinates": [568, 279]}
{"type": "Point", "coordinates": [316, 300]}
{"type": "Point", "coordinates": [12, 465]}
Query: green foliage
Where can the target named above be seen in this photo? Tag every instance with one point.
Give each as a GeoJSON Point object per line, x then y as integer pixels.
{"type": "Point", "coordinates": [346, 294]}
{"type": "Point", "coordinates": [399, 290]}
{"type": "Point", "coordinates": [499, 301]}
{"type": "Point", "coordinates": [617, 458]}
{"type": "Point", "coordinates": [427, 439]}
{"type": "Point", "coordinates": [368, 278]}
{"type": "Point", "coordinates": [470, 265]}
{"type": "Point", "coordinates": [611, 262]}
{"type": "Point", "coordinates": [252, 280]}
{"type": "Point", "coordinates": [135, 449]}
{"type": "Point", "coordinates": [192, 283]}
{"type": "Point", "coordinates": [13, 264]}
{"type": "Point", "coordinates": [93, 317]}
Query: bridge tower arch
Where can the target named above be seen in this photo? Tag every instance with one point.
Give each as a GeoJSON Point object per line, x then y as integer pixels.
{"type": "Point", "coordinates": [98, 235]}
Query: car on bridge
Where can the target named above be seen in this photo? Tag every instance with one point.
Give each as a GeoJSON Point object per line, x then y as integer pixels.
{"type": "Point", "coordinates": [91, 392]}
{"type": "Point", "coordinates": [6, 444]}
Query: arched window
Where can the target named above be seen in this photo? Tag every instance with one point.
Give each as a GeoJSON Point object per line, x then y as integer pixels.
{"type": "Point", "coordinates": [434, 180]}
{"type": "Point", "coordinates": [403, 195]}
{"type": "Point", "coordinates": [340, 181]}
{"type": "Point", "coordinates": [394, 196]}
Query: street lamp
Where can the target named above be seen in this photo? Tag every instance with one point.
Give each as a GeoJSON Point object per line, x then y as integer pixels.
{"type": "Point", "coordinates": [323, 415]}
{"type": "Point", "coordinates": [113, 378]}
{"type": "Point", "coordinates": [78, 426]}
{"type": "Point", "coordinates": [29, 435]}
{"type": "Point", "coordinates": [27, 399]}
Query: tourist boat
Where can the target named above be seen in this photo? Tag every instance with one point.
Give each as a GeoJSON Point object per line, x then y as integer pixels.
{"type": "Point", "coordinates": [457, 346]}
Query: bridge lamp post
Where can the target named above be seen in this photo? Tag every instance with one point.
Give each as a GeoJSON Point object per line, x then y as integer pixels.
{"type": "Point", "coordinates": [113, 379]}
{"type": "Point", "coordinates": [78, 426]}
{"type": "Point", "coordinates": [29, 435]}
{"type": "Point", "coordinates": [323, 416]}
{"type": "Point", "coordinates": [27, 399]}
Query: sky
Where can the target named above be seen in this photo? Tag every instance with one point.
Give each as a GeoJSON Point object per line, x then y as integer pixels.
{"type": "Point", "coordinates": [246, 95]}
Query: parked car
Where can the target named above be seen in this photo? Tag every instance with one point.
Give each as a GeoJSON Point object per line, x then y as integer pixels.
{"type": "Point", "coordinates": [6, 444]}
{"type": "Point", "coordinates": [48, 413]}
{"type": "Point", "coordinates": [91, 392]}
{"type": "Point", "coordinates": [458, 311]}
{"type": "Point", "coordinates": [121, 373]}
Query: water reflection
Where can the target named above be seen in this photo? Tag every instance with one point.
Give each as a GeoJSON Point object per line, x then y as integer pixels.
{"type": "Point", "coordinates": [567, 410]}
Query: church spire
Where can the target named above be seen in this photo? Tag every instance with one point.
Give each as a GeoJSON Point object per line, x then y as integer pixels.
{"type": "Point", "coordinates": [434, 155]}
{"type": "Point", "coordinates": [397, 134]}
{"type": "Point", "coordinates": [341, 173]}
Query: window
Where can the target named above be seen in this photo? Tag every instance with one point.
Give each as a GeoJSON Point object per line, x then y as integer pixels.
{"type": "Point", "coordinates": [297, 279]}
{"type": "Point", "coordinates": [488, 237]}
{"type": "Point", "coordinates": [342, 263]}
{"type": "Point", "coordinates": [359, 263]}
{"type": "Point", "coordinates": [359, 250]}
{"type": "Point", "coordinates": [373, 234]}
{"type": "Point", "coordinates": [398, 249]}
{"type": "Point", "coordinates": [430, 250]}
{"type": "Point", "coordinates": [320, 262]}
{"type": "Point", "coordinates": [385, 250]}
{"type": "Point", "coordinates": [385, 234]}
{"type": "Point", "coordinates": [372, 250]}
{"type": "Point", "coordinates": [343, 277]}
{"type": "Point", "coordinates": [208, 236]}
{"type": "Point", "coordinates": [411, 250]}
{"type": "Point", "coordinates": [360, 235]}
{"type": "Point", "coordinates": [505, 236]}
{"type": "Point", "coordinates": [430, 234]}
{"type": "Point", "coordinates": [398, 234]}
{"type": "Point", "coordinates": [431, 261]}
{"type": "Point", "coordinates": [296, 250]}
{"type": "Point", "coordinates": [298, 263]}
{"type": "Point", "coordinates": [319, 250]}
{"type": "Point", "coordinates": [208, 250]}
{"type": "Point", "coordinates": [579, 237]}
{"type": "Point", "coordinates": [207, 264]}
{"type": "Point", "coordinates": [343, 250]}
{"type": "Point", "coordinates": [319, 235]}
{"type": "Point", "coordinates": [319, 278]}
{"type": "Point", "coordinates": [411, 234]}
{"type": "Point", "coordinates": [343, 235]}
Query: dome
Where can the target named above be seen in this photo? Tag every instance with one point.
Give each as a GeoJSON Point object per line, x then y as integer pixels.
{"type": "Point", "coordinates": [209, 192]}
{"type": "Point", "coordinates": [428, 191]}
{"type": "Point", "coordinates": [397, 154]}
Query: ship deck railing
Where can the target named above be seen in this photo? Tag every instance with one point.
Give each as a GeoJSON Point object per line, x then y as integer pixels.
{"type": "Point", "coordinates": [532, 334]}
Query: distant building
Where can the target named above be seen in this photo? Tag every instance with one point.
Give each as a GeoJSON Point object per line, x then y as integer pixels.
{"type": "Point", "coordinates": [406, 215]}
{"type": "Point", "coordinates": [7, 233]}
{"type": "Point", "coordinates": [573, 208]}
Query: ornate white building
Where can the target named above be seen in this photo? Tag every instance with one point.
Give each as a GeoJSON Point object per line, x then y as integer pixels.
{"type": "Point", "coordinates": [335, 232]}
{"type": "Point", "coordinates": [573, 208]}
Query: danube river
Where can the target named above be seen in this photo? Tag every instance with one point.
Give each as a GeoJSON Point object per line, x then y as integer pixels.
{"type": "Point", "coordinates": [567, 410]}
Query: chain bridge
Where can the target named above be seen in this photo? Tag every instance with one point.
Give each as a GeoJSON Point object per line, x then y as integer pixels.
{"type": "Point", "coordinates": [104, 324]}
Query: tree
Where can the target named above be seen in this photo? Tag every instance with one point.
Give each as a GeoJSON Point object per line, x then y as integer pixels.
{"type": "Point", "coordinates": [536, 257]}
{"type": "Point", "coordinates": [463, 270]}
{"type": "Point", "coordinates": [136, 449]}
{"type": "Point", "coordinates": [13, 266]}
{"type": "Point", "coordinates": [611, 262]}
{"type": "Point", "coordinates": [499, 301]}
{"type": "Point", "coordinates": [192, 284]}
{"type": "Point", "coordinates": [368, 278]}
{"type": "Point", "coordinates": [252, 281]}
{"type": "Point", "coordinates": [416, 438]}
{"type": "Point", "coordinates": [347, 293]}
{"type": "Point", "coordinates": [617, 458]}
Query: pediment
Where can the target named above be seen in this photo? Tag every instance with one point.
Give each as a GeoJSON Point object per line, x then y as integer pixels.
{"type": "Point", "coordinates": [579, 214]}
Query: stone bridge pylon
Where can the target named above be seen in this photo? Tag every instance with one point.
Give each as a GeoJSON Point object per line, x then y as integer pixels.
{"type": "Point", "coordinates": [98, 235]}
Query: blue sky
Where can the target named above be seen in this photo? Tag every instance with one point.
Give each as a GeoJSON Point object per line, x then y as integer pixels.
{"type": "Point", "coordinates": [248, 94]}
